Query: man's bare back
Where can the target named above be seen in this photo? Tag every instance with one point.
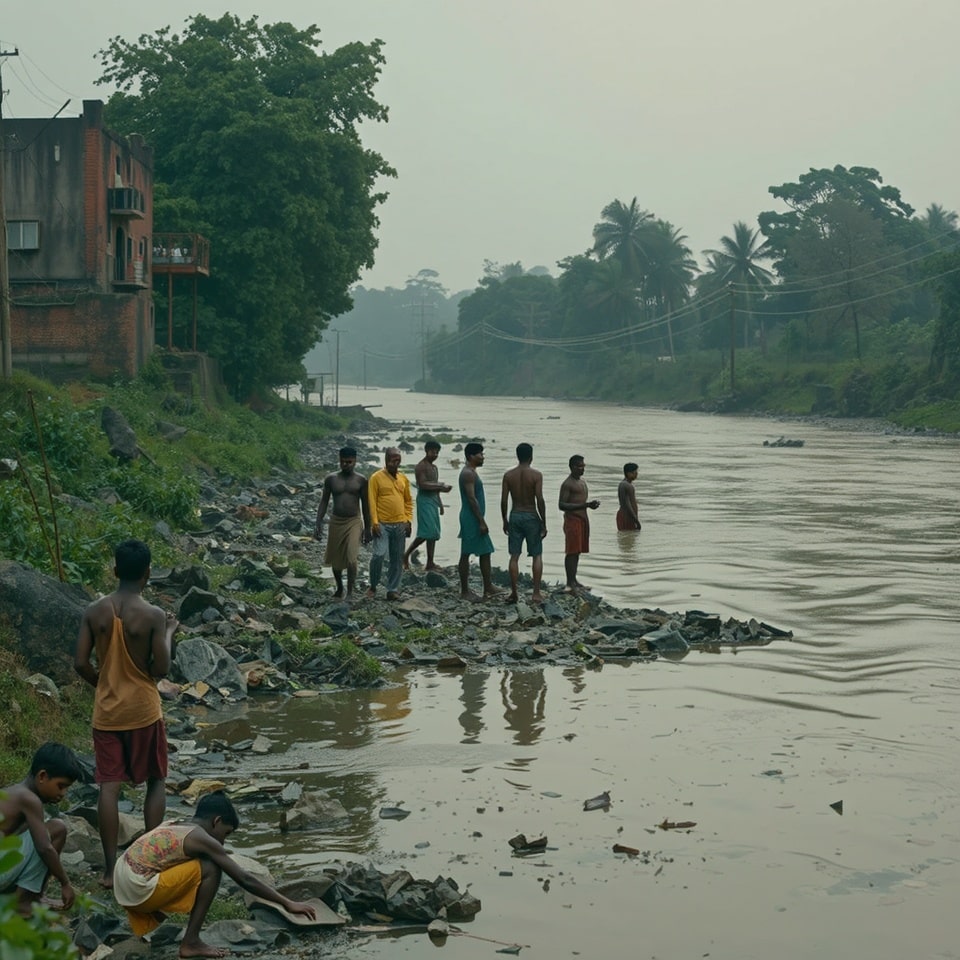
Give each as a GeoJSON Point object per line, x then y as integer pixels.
{"type": "Point", "coordinates": [145, 629]}
{"type": "Point", "coordinates": [525, 487]}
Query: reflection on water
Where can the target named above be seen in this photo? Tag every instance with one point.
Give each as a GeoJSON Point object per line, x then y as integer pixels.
{"type": "Point", "coordinates": [851, 542]}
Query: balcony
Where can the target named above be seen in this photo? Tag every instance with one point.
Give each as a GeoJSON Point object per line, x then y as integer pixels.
{"type": "Point", "coordinates": [126, 202]}
{"type": "Point", "coordinates": [181, 253]}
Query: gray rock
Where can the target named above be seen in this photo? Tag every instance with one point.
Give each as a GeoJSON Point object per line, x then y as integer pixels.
{"type": "Point", "coordinates": [314, 809]}
{"type": "Point", "coordinates": [122, 439]}
{"type": "Point", "coordinates": [199, 659]}
{"type": "Point", "coordinates": [195, 601]}
{"type": "Point", "coordinates": [337, 617]}
{"type": "Point", "coordinates": [43, 619]}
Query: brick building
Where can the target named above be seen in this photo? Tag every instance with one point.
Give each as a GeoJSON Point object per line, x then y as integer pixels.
{"type": "Point", "coordinates": [79, 209]}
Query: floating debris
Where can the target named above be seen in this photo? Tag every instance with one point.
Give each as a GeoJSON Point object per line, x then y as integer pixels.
{"type": "Point", "coordinates": [393, 813]}
{"type": "Point", "coordinates": [837, 807]}
{"type": "Point", "coordinates": [677, 825]}
{"type": "Point", "coordinates": [599, 802]}
{"type": "Point", "coordinates": [783, 442]}
{"type": "Point", "coordinates": [520, 842]}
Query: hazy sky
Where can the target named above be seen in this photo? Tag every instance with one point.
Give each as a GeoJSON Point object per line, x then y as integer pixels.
{"type": "Point", "coordinates": [513, 123]}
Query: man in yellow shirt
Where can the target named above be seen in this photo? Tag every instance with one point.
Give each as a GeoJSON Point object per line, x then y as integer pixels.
{"type": "Point", "coordinates": [391, 519]}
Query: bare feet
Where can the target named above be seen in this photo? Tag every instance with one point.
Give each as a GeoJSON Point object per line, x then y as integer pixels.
{"type": "Point", "coordinates": [512, 599]}
{"type": "Point", "coordinates": [393, 595]}
{"type": "Point", "coordinates": [470, 596]}
{"type": "Point", "coordinates": [490, 592]}
{"type": "Point", "coordinates": [197, 948]}
{"type": "Point", "coordinates": [338, 593]}
{"type": "Point", "coordinates": [106, 881]}
{"type": "Point", "coordinates": [371, 592]}
{"type": "Point", "coordinates": [537, 599]}
{"type": "Point", "coordinates": [406, 562]}
{"type": "Point", "coordinates": [431, 566]}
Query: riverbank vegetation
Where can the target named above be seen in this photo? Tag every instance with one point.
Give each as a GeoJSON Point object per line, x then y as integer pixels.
{"type": "Point", "coordinates": [844, 301]}
{"type": "Point", "coordinates": [66, 500]}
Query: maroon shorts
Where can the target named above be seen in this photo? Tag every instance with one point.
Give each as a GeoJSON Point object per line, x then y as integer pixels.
{"type": "Point", "coordinates": [576, 531]}
{"type": "Point", "coordinates": [624, 522]}
{"type": "Point", "coordinates": [130, 756]}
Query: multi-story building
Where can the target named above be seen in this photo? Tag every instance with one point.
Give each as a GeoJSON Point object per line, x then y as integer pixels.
{"type": "Point", "coordinates": [79, 210]}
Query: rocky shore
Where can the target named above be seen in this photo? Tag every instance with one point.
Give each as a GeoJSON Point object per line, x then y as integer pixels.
{"type": "Point", "coordinates": [257, 618]}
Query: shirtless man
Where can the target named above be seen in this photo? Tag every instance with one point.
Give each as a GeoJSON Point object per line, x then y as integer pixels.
{"type": "Point", "coordinates": [628, 516]}
{"type": "Point", "coordinates": [573, 505]}
{"type": "Point", "coordinates": [348, 490]}
{"type": "Point", "coordinates": [132, 641]}
{"type": "Point", "coordinates": [429, 504]}
{"type": "Point", "coordinates": [527, 519]}
{"type": "Point", "coordinates": [474, 533]}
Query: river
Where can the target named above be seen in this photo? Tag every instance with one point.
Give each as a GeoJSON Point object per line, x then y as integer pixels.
{"type": "Point", "coordinates": [850, 541]}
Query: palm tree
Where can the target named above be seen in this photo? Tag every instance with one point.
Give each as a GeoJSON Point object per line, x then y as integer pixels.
{"type": "Point", "coordinates": [622, 233]}
{"type": "Point", "coordinates": [941, 224]}
{"type": "Point", "coordinates": [670, 271]}
{"type": "Point", "coordinates": [736, 263]}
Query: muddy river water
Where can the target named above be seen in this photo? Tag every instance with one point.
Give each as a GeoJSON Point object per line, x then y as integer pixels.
{"type": "Point", "coordinates": [852, 542]}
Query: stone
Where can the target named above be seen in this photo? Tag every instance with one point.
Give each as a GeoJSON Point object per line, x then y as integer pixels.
{"type": "Point", "coordinates": [42, 617]}
{"type": "Point", "coordinates": [199, 660]}
{"type": "Point", "coordinates": [120, 435]}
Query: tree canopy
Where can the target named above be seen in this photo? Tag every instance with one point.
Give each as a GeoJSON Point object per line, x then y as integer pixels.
{"type": "Point", "coordinates": [254, 133]}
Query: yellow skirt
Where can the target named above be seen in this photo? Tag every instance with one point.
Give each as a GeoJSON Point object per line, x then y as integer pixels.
{"type": "Point", "coordinates": [176, 892]}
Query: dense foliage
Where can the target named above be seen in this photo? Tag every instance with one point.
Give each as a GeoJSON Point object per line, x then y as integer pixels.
{"type": "Point", "coordinates": [846, 302]}
{"type": "Point", "coordinates": [256, 145]}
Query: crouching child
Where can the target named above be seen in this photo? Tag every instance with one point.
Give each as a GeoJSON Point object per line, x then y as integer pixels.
{"type": "Point", "coordinates": [53, 770]}
{"type": "Point", "coordinates": [176, 868]}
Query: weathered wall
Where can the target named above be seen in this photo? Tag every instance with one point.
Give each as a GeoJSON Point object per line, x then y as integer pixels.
{"type": "Point", "coordinates": [93, 333]}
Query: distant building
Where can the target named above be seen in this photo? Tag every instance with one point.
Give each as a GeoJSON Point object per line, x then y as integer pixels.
{"type": "Point", "coordinates": [79, 209]}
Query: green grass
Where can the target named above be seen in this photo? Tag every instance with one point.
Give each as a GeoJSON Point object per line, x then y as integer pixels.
{"type": "Point", "coordinates": [29, 718]}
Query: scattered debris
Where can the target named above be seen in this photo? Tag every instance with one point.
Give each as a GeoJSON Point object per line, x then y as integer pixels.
{"type": "Point", "coordinates": [599, 802]}
{"type": "Point", "coordinates": [837, 807]}
{"type": "Point", "coordinates": [677, 825]}
{"type": "Point", "coordinates": [629, 851]}
{"type": "Point", "coordinates": [783, 442]}
{"type": "Point", "coordinates": [393, 813]}
{"type": "Point", "coordinates": [520, 842]}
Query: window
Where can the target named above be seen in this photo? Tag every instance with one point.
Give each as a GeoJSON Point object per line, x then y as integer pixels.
{"type": "Point", "coordinates": [23, 234]}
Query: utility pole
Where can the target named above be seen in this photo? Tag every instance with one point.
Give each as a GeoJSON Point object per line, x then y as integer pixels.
{"type": "Point", "coordinates": [733, 336]}
{"type": "Point", "coordinates": [336, 395]}
{"type": "Point", "coordinates": [6, 346]}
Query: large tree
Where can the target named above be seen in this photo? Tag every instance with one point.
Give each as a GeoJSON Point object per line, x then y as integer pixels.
{"type": "Point", "coordinates": [259, 129]}
{"type": "Point", "coordinates": [816, 190]}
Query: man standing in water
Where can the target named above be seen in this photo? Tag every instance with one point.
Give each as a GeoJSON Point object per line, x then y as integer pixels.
{"type": "Point", "coordinates": [573, 505]}
{"type": "Point", "coordinates": [347, 530]}
{"type": "Point", "coordinates": [474, 533]}
{"type": "Point", "coordinates": [429, 504]}
{"type": "Point", "coordinates": [391, 519]}
{"type": "Point", "coordinates": [132, 641]}
{"type": "Point", "coordinates": [628, 516]}
{"type": "Point", "coordinates": [527, 520]}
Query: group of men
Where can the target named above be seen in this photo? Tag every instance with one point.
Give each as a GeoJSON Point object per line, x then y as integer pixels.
{"type": "Point", "coordinates": [380, 511]}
